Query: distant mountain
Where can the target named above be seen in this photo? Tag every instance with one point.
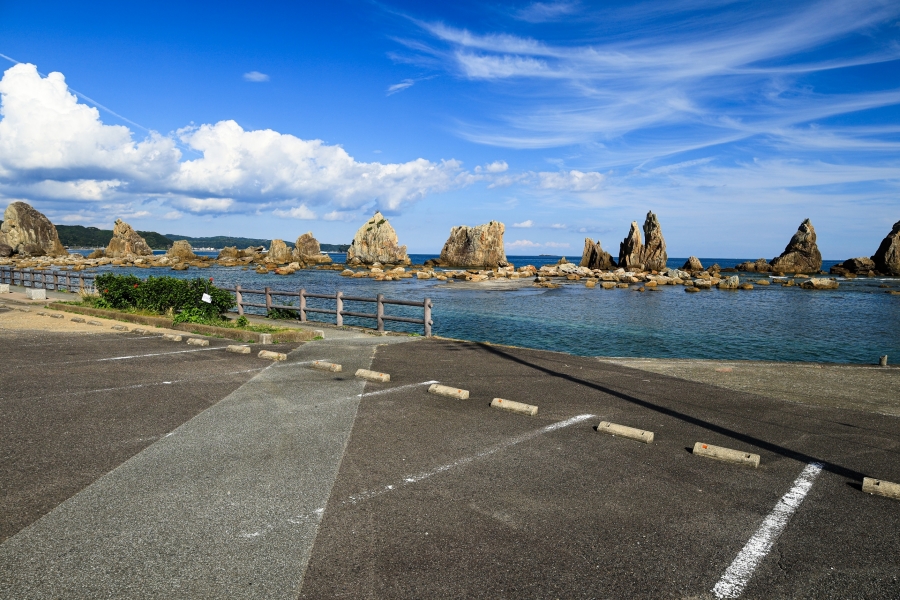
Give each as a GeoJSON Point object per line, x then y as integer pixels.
{"type": "Point", "coordinates": [79, 236]}
{"type": "Point", "coordinates": [220, 241]}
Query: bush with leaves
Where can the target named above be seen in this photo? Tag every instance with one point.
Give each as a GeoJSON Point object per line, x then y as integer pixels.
{"type": "Point", "coordinates": [162, 294]}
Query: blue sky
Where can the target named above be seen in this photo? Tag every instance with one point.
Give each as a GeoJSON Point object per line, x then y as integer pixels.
{"type": "Point", "coordinates": [733, 121]}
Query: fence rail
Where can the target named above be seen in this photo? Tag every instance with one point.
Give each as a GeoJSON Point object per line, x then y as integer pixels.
{"type": "Point", "coordinates": [72, 282]}
{"type": "Point", "coordinates": [49, 280]}
{"type": "Point", "coordinates": [338, 311]}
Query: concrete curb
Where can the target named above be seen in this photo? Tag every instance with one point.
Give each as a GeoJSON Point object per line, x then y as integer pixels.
{"type": "Point", "coordinates": [272, 355]}
{"type": "Point", "coordinates": [726, 454]}
{"type": "Point", "coordinates": [373, 376]}
{"type": "Point", "coordinates": [879, 487]}
{"type": "Point", "coordinates": [197, 342]}
{"type": "Point", "coordinates": [238, 349]}
{"type": "Point", "coordinates": [321, 365]}
{"type": "Point", "coordinates": [638, 435]}
{"type": "Point", "coordinates": [172, 337]}
{"type": "Point", "coordinates": [513, 406]}
{"type": "Point", "coordinates": [449, 392]}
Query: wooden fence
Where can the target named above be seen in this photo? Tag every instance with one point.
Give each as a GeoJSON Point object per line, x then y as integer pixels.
{"type": "Point", "coordinates": [338, 311]}
{"type": "Point", "coordinates": [48, 280]}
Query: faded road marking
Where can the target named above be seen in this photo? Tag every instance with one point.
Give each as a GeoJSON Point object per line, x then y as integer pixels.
{"type": "Point", "coordinates": [159, 354]}
{"type": "Point", "coordinates": [396, 389]}
{"type": "Point", "coordinates": [736, 577]}
{"type": "Point", "coordinates": [464, 461]}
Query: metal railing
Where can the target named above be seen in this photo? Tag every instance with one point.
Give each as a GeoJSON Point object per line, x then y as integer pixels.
{"type": "Point", "coordinates": [48, 280]}
{"type": "Point", "coordinates": [379, 315]}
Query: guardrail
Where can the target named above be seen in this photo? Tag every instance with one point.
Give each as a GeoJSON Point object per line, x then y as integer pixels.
{"type": "Point", "coordinates": [339, 312]}
{"type": "Point", "coordinates": [48, 280]}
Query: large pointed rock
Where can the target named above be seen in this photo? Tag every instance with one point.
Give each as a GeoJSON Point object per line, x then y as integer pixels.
{"type": "Point", "coordinates": [376, 241]}
{"type": "Point", "coordinates": [126, 242]}
{"type": "Point", "coordinates": [307, 250]}
{"type": "Point", "coordinates": [654, 254]}
{"type": "Point", "coordinates": [630, 250]}
{"type": "Point", "coordinates": [28, 231]}
{"type": "Point", "coordinates": [648, 256]}
{"type": "Point", "coordinates": [801, 254]}
{"type": "Point", "coordinates": [887, 257]}
{"type": "Point", "coordinates": [594, 257]}
{"type": "Point", "coordinates": [479, 246]}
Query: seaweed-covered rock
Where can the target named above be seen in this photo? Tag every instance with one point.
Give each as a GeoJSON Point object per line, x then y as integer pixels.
{"type": "Point", "coordinates": [801, 254]}
{"type": "Point", "coordinates": [28, 231]}
{"type": "Point", "coordinates": [594, 257]}
{"type": "Point", "coordinates": [376, 241]}
{"type": "Point", "coordinates": [760, 265]}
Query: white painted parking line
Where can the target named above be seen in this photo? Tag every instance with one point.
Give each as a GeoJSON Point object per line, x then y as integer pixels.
{"type": "Point", "coordinates": [736, 577]}
{"type": "Point", "coordinates": [396, 389]}
{"type": "Point", "coordinates": [469, 459]}
{"type": "Point", "coordinates": [158, 354]}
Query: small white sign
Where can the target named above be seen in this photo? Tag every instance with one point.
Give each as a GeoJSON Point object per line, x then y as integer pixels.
{"type": "Point", "coordinates": [207, 298]}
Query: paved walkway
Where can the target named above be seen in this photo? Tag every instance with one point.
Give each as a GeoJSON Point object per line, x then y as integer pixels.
{"type": "Point", "coordinates": [226, 506]}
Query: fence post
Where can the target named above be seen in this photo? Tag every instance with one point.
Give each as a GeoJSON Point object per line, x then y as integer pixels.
{"type": "Point", "coordinates": [380, 311]}
{"type": "Point", "coordinates": [302, 305]}
{"type": "Point", "coordinates": [340, 308]}
{"type": "Point", "coordinates": [268, 300]}
{"type": "Point", "coordinates": [427, 318]}
{"type": "Point", "coordinates": [80, 281]}
{"type": "Point", "coordinates": [238, 298]}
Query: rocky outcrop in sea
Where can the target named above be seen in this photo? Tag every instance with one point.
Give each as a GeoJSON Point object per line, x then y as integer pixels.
{"type": "Point", "coordinates": [595, 257]}
{"type": "Point", "coordinates": [376, 242]}
{"type": "Point", "coordinates": [126, 242]}
{"type": "Point", "coordinates": [760, 265]}
{"type": "Point", "coordinates": [308, 251]}
{"type": "Point", "coordinates": [692, 264]}
{"type": "Point", "coordinates": [181, 251]}
{"type": "Point", "coordinates": [801, 254]}
{"type": "Point", "coordinates": [278, 253]}
{"type": "Point", "coordinates": [27, 232]}
{"type": "Point", "coordinates": [887, 257]}
{"type": "Point", "coordinates": [650, 255]}
{"type": "Point", "coordinates": [474, 247]}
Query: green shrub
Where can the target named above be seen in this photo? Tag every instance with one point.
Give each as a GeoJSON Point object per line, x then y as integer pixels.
{"type": "Point", "coordinates": [163, 294]}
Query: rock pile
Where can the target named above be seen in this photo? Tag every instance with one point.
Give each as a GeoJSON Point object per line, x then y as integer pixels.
{"type": "Point", "coordinates": [594, 257]}
{"type": "Point", "coordinates": [126, 242]}
{"type": "Point", "coordinates": [376, 242]}
{"type": "Point", "coordinates": [474, 247]}
{"type": "Point", "coordinates": [651, 255]}
{"type": "Point", "coordinates": [27, 232]}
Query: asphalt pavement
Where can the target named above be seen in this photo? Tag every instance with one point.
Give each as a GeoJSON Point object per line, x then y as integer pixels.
{"type": "Point", "coordinates": [312, 484]}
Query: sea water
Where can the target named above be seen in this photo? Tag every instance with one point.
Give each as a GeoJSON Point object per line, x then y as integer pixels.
{"type": "Point", "coordinates": [856, 323]}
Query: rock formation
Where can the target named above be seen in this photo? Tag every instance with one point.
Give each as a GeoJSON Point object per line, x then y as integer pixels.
{"type": "Point", "coordinates": [307, 250]}
{"type": "Point", "coordinates": [630, 249]}
{"type": "Point", "coordinates": [861, 265]}
{"type": "Point", "coordinates": [649, 256]}
{"type": "Point", "coordinates": [376, 241]}
{"type": "Point", "coordinates": [801, 254]}
{"type": "Point", "coordinates": [479, 246]}
{"type": "Point", "coordinates": [692, 264]}
{"type": "Point", "coordinates": [27, 231]}
{"type": "Point", "coordinates": [654, 254]}
{"type": "Point", "coordinates": [278, 253]}
{"type": "Point", "coordinates": [229, 253]}
{"type": "Point", "coordinates": [181, 250]}
{"type": "Point", "coordinates": [760, 265]}
{"type": "Point", "coordinates": [126, 242]}
{"type": "Point", "coordinates": [5, 251]}
{"type": "Point", "coordinates": [594, 257]}
{"type": "Point", "coordinates": [887, 257]}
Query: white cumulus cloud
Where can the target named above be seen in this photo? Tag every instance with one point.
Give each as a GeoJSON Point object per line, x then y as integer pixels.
{"type": "Point", "coordinates": [523, 244]}
{"type": "Point", "coordinates": [524, 224]}
{"type": "Point", "coordinates": [298, 212]}
{"type": "Point", "coordinates": [54, 148]}
{"type": "Point", "coordinates": [570, 181]}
